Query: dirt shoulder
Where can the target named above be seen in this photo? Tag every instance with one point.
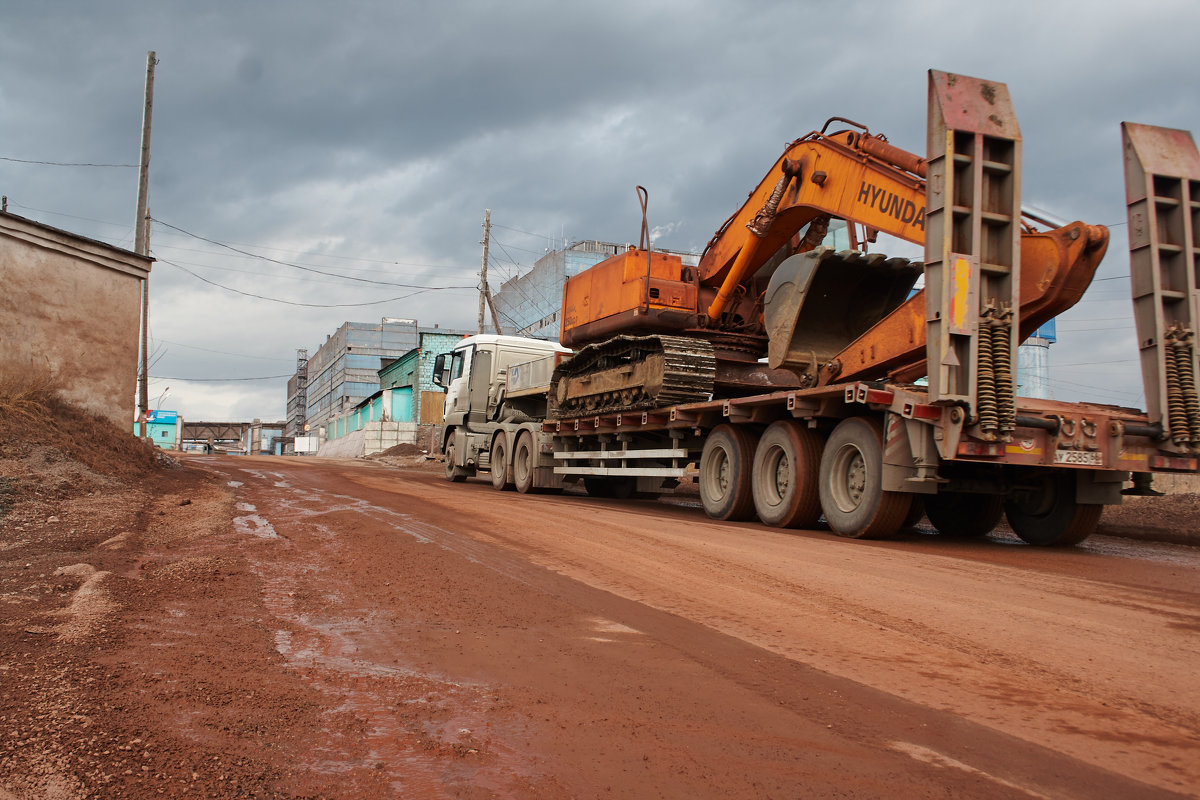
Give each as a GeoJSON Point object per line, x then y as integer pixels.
{"type": "Point", "coordinates": [244, 627]}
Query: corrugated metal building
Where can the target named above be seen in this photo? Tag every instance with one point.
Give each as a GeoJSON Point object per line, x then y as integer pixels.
{"type": "Point", "coordinates": [344, 370]}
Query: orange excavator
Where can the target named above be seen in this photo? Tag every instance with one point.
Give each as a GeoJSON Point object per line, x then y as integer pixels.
{"type": "Point", "coordinates": [651, 331]}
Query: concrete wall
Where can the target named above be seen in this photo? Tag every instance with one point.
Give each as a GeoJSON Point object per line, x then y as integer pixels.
{"type": "Point", "coordinates": [73, 305]}
{"type": "Point", "coordinates": [374, 437]}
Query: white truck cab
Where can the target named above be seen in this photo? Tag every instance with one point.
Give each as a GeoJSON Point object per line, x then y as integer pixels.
{"type": "Point", "coordinates": [475, 376]}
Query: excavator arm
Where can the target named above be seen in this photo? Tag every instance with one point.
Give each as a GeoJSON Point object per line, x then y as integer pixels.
{"type": "Point", "coordinates": [850, 175]}
{"type": "Point", "coordinates": [865, 180]}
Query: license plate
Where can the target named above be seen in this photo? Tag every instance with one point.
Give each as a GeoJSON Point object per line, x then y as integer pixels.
{"type": "Point", "coordinates": [1089, 458]}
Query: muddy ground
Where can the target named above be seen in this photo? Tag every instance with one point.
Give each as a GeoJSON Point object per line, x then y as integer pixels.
{"type": "Point", "coordinates": [255, 627]}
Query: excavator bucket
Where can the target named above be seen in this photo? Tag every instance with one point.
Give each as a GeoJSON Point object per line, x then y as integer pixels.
{"type": "Point", "coordinates": [818, 302]}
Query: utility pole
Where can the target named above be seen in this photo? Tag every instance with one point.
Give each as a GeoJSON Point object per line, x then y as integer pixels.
{"type": "Point", "coordinates": [141, 236]}
{"type": "Point", "coordinates": [492, 306]}
{"type": "Point", "coordinates": [483, 287]}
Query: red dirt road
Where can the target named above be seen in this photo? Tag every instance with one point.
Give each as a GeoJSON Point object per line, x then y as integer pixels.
{"type": "Point", "coordinates": [363, 631]}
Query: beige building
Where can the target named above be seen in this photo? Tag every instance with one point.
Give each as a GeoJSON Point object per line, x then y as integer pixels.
{"type": "Point", "coordinates": [73, 304]}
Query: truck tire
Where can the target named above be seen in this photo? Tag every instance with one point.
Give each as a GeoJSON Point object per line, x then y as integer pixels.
{"type": "Point", "coordinates": [964, 515]}
{"type": "Point", "coordinates": [851, 483]}
{"type": "Point", "coordinates": [725, 465]}
{"type": "Point", "coordinates": [787, 464]}
{"type": "Point", "coordinates": [524, 462]}
{"type": "Point", "coordinates": [1050, 516]}
{"type": "Point", "coordinates": [501, 471]}
{"type": "Point", "coordinates": [453, 472]}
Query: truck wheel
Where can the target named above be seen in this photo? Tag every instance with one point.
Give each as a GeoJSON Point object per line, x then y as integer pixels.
{"type": "Point", "coordinates": [851, 483]}
{"type": "Point", "coordinates": [453, 471]}
{"type": "Point", "coordinates": [501, 473]}
{"type": "Point", "coordinates": [725, 465]}
{"type": "Point", "coordinates": [964, 515]}
{"type": "Point", "coordinates": [787, 463]}
{"type": "Point", "coordinates": [1049, 514]}
{"type": "Point", "coordinates": [523, 462]}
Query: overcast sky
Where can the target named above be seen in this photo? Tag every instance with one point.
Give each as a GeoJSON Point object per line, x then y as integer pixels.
{"type": "Point", "coordinates": [367, 138]}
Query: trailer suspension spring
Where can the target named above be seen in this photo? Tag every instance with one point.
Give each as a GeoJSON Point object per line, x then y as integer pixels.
{"type": "Point", "coordinates": [1002, 366]}
{"type": "Point", "coordinates": [1177, 362]}
{"type": "Point", "coordinates": [985, 391]}
{"type": "Point", "coordinates": [1180, 350]}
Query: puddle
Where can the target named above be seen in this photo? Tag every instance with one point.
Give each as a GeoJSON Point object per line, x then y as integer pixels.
{"type": "Point", "coordinates": [255, 525]}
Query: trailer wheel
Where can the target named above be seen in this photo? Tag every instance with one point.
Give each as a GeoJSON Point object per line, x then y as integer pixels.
{"type": "Point", "coordinates": [787, 464]}
{"type": "Point", "coordinates": [1049, 515]}
{"type": "Point", "coordinates": [725, 465]}
{"type": "Point", "coordinates": [501, 472]}
{"type": "Point", "coordinates": [453, 471]}
{"type": "Point", "coordinates": [524, 461]}
{"type": "Point", "coordinates": [851, 483]}
{"type": "Point", "coordinates": [964, 515]}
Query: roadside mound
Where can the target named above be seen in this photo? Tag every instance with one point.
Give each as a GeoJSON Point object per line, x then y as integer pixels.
{"type": "Point", "coordinates": [407, 455]}
{"type": "Point", "coordinates": [1170, 518]}
{"type": "Point", "coordinates": [51, 451]}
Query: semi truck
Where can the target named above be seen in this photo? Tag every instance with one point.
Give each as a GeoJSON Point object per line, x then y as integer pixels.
{"type": "Point", "coordinates": [793, 382]}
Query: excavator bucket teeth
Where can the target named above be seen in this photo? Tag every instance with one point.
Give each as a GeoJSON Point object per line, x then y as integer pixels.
{"type": "Point", "coordinates": [818, 302]}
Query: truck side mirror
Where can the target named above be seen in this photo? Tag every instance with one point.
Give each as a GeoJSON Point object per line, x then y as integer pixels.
{"type": "Point", "coordinates": [439, 370]}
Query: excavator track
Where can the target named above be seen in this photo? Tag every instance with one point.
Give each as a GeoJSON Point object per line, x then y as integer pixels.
{"type": "Point", "coordinates": [630, 373]}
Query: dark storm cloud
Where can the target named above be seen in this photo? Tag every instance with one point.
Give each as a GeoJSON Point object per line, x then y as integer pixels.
{"type": "Point", "coordinates": [366, 138]}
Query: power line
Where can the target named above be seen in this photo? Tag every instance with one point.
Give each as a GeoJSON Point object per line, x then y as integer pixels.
{"type": "Point", "coordinates": [63, 163]}
{"type": "Point", "coordinates": [324, 255]}
{"type": "Point", "coordinates": [1094, 363]}
{"type": "Point", "coordinates": [307, 305]}
{"type": "Point", "coordinates": [68, 216]}
{"type": "Point", "coordinates": [527, 233]}
{"type": "Point", "coordinates": [222, 352]}
{"type": "Point", "coordinates": [220, 380]}
{"type": "Point", "coordinates": [259, 273]}
{"type": "Point", "coordinates": [301, 266]}
{"type": "Point", "coordinates": [522, 249]}
{"type": "Point", "coordinates": [128, 230]}
{"type": "Point", "coordinates": [240, 257]}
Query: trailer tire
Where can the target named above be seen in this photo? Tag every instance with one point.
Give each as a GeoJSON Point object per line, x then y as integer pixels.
{"type": "Point", "coordinates": [454, 472]}
{"type": "Point", "coordinates": [964, 515]}
{"type": "Point", "coordinates": [726, 489]}
{"type": "Point", "coordinates": [851, 483]}
{"type": "Point", "coordinates": [1051, 516]}
{"type": "Point", "coordinates": [787, 465]}
{"type": "Point", "coordinates": [501, 471]}
{"type": "Point", "coordinates": [524, 462]}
